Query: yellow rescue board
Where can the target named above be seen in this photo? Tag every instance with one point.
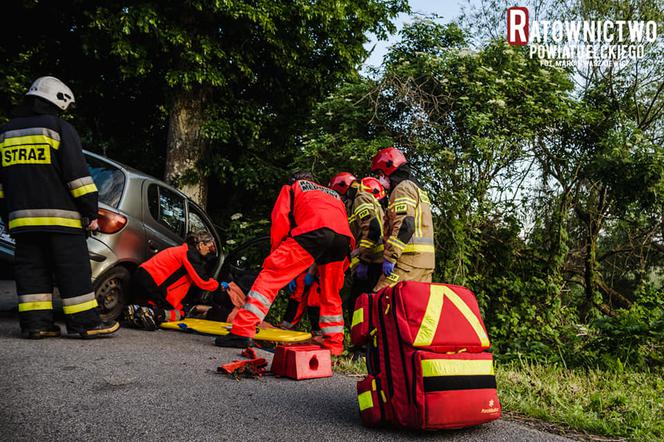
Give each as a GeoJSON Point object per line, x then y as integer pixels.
{"type": "Point", "coordinates": [222, 328]}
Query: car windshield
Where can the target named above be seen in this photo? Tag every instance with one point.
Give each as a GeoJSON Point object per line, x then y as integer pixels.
{"type": "Point", "coordinates": [109, 180]}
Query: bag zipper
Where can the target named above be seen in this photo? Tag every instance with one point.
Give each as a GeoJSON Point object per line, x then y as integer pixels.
{"type": "Point", "coordinates": [403, 356]}
{"type": "Point", "coordinates": [388, 369]}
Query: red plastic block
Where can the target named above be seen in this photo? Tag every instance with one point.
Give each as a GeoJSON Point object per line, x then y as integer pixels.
{"type": "Point", "coordinates": [279, 360]}
{"type": "Point", "coordinates": [309, 364]}
{"type": "Point", "coordinates": [302, 362]}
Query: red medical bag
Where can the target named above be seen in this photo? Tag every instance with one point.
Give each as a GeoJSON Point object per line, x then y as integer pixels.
{"type": "Point", "coordinates": [426, 359]}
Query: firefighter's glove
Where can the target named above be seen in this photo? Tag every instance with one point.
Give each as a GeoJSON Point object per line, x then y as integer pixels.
{"type": "Point", "coordinates": [388, 267]}
{"type": "Point", "coordinates": [223, 285]}
{"type": "Point", "coordinates": [292, 286]}
{"type": "Point", "coordinates": [309, 279]}
{"type": "Point", "coordinates": [362, 271]}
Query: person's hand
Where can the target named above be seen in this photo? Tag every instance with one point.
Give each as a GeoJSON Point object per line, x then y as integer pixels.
{"type": "Point", "coordinates": [362, 271]}
{"type": "Point", "coordinates": [223, 285]}
{"type": "Point", "coordinates": [292, 286]}
{"type": "Point", "coordinates": [93, 226]}
{"type": "Point", "coordinates": [309, 279]}
{"type": "Point", "coordinates": [388, 267]}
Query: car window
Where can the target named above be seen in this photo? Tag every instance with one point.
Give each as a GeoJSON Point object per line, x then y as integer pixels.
{"type": "Point", "coordinates": [196, 223]}
{"type": "Point", "coordinates": [109, 180]}
{"type": "Point", "coordinates": [249, 257]}
{"type": "Point", "coordinates": [167, 208]}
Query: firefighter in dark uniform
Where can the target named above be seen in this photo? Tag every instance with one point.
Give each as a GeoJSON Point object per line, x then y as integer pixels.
{"type": "Point", "coordinates": [48, 202]}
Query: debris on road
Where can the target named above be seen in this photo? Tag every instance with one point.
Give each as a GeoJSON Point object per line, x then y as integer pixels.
{"type": "Point", "coordinates": [252, 367]}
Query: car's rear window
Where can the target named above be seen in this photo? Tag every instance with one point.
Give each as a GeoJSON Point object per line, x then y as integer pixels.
{"type": "Point", "coordinates": [109, 180]}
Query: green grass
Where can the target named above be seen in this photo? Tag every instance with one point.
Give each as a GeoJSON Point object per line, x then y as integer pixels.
{"type": "Point", "coordinates": [609, 403]}
{"type": "Point", "coordinates": [345, 365]}
{"type": "Point", "coordinates": [624, 404]}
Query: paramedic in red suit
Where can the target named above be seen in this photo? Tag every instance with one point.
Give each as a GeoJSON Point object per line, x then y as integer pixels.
{"type": "Point", "coordinates": [166, 279]}
{"type": "Point", "coordinates": [309, 225]}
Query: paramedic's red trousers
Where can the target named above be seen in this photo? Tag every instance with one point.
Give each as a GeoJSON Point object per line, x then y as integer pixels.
{"type": "Point", "coordinates": [283, 265]}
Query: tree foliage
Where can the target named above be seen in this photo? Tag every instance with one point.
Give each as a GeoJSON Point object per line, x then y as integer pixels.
{"type": "Point", "coordinates": [547, 196]}
{"type": "Point", "coordinates": [241, 75]}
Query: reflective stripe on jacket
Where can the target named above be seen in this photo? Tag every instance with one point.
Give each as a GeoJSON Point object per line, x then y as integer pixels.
{"type": "Point", "coordinates": [409, 210]}
{"type": "Point", "coordinates": [45, 184]}
{"type": "Point", "coordinates": [366, 222]}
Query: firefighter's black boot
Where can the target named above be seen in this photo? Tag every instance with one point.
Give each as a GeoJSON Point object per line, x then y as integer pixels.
{"type": "Point", "coordinates": [99, 330]}
{"type": "Point", "coordinates": [50, 332]}
{"type": "Point", "coordinates": [233, 341]}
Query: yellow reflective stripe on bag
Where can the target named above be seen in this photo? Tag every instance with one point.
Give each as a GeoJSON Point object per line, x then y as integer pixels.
{"type": "Point", "coordinates": [469, 315]}
{"type": "Point", "coordinates": [456, 367]}
{"type": "Point", "coordinates": [365, 400]}
{"type": "Point", "coordinates": [358, 317]}
{"type": "Point", "coordinates": [429, 324]}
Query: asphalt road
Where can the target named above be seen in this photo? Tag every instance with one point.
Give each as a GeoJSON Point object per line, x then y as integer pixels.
{"type": "Point", "coordinates": [162, 385]}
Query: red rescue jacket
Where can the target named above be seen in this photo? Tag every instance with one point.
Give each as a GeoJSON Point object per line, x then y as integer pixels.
{"type": "Point", "coordinates": [305, 206]}
{"type": "Point", "coordinates": [175, 270]}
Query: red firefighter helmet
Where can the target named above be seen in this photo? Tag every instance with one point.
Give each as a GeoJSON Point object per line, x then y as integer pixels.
{"type": "Point", "coordinates": [388, 160]}
{"type": "Point", "coordinates": [373, 186]}
{"type": "Point", "coordinates": [341, 182]}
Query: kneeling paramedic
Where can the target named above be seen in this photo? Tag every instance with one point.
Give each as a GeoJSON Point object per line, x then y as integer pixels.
{"type": "Point", "coordinates": [309, 226]}
{"type": "Point", "coordinates": [409, 250]}
{"type": "Point", "coordinates": [166, 279]}
{"type": "Point", "coordinates": [48, 200]}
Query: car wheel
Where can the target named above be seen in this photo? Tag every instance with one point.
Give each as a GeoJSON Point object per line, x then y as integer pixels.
{"type": "Point", "coordinates": [111, 290]}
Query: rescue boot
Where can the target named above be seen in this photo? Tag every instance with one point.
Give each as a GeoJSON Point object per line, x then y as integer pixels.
{"type": "Point", "coordinates": [50, 332]}
{"type": "Point", "coordinates": [233, 341]}
{"type": "Point", "coordinates": [99, 330]}
{"type": "Point", "coordinates": [147, 319]}
{"type": "Point", "coordinates": [130, 315]}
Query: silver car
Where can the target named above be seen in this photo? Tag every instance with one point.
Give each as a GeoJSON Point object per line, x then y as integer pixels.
{"type": "Point", "coordinates": [138, 216]}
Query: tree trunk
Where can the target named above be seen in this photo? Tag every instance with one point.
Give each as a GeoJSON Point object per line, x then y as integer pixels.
{"type": "Point", "coordinates": [186, 146]}
{"type": "Point", "coordinates": [590, 269]}
{"type": "Point", "coordinates": [615, 297]}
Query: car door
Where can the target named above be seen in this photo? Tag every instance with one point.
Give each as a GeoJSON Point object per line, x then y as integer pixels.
{"type": "Point", "coordinates": [244, 262]}
{"type": "Point", "coordinates": [165, 220]}
{"type": "Point", "coordinates": [197, 221]}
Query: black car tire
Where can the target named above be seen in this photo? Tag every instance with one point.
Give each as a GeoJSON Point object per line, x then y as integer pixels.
{"type": "Point", "coordinates": [111, 290]}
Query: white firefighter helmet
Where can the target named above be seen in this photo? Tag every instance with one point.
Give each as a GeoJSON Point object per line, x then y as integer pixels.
{"type": "Point", "coordinates": [52, 90]}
